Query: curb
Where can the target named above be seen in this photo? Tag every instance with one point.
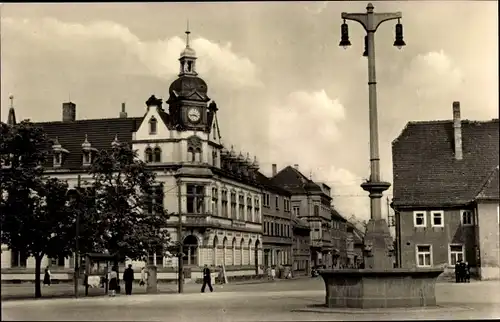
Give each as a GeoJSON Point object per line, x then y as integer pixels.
{"type": "Point", "coordinates": [433, 309]}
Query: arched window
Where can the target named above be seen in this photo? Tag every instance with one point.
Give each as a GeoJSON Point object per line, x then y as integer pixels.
{"type": "Point", "coordinates": [234, 251]}
{"type": "Point", "coordinates": [153, 125]}
{"type": "Point", "coordinates": [242, 247]}
{"type": "Point", "coordinates": [190, 250]}
{"type": "Point", "coordinates": [250, 252]}
{"type": "Point", "coordinates": [224, 251]}
{"type": "Point", "coordinates": [214, 251]}
{"type": "Point", "coordinates": [157, 154]}
{"type": "Point", "coordinates": [194, 145]}
{"type": "Point", "coordinates": [148, 155]}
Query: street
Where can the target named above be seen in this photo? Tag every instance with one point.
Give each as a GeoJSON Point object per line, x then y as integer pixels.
{"type": "Point", "coordinates": [284, 300]}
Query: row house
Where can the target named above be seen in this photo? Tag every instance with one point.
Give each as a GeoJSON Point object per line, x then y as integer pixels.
{"type": "Point", "coordinates": [311, 202]}
{"type": "Point", "coordinates": [212, 188]}
{"type": "Point", "coordinates": [338, 227]}
{"type": "Point", "coordinates": [277, 224]}
{"type": "Point", "coordinates": [301, 252]}
{"type": "Point", "coordinates": [354, 245]}
{"type": "Point", "coordinates": [446, 194]}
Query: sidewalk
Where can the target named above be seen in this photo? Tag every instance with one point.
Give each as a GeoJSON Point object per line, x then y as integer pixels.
{"type": "Point", "coordinates": [66, 290]}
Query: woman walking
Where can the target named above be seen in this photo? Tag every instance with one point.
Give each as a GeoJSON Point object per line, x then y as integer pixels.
{"type": "Point", "coordinates": [46, 277]}
{"type": "Point", "coordinates": [113, 281]}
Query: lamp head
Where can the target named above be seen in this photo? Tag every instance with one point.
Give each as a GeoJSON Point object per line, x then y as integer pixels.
{"type": "Point", "coordinates": [365, 53]}
{"type": "Point", "coordinates": [344, 36]}
{"type": "Point", "coordinates": [399, 42]}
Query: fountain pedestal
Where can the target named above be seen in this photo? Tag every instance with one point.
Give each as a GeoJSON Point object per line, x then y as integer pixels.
{"type": "Point", "coordinates": [380, 288]}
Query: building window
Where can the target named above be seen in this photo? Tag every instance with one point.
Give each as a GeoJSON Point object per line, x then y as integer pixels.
{"type": "Point", "coordinates": [272, 229]}
{"type": "Point", "coordinates": [456, 253]}
{"type": "Point", "coordinates": [215, 202]}
{"type": "Point", "coordinates": [18, 258]}
{"type": "Point", "coordinates": [265, 202]}
{"type": "Point", "coordinates": [190, 250]}
{"type": "Point", "coordinates": [287, 204]}
{"type": "Point", "coordinates": [153, 124]}
{"type": "Point", "coordinates": [437, 218]}
{"type": "Point", "coordinates": [57, 159]}
{"type": "Point", "coordinates": [241, 207]}
{"type": "Point", "coordinates": [296, 210]}
{"type": "Point", "coordinates": [58, 261]}
{"type": "Point", "coordinates": [148, 155]}
{"type": "Point", "coordinates": [467, 218]}
{"type": "Point", "coordinates": [419, 219]}
{"type": "Point", "coordinates": [424, 256]}
{"type": "Point", "coordinates": [214, 158]}
{"type": "Point", "coordinates": [233, 205]}
{"type": "Point", "coordinates": [86, 158]}
{"type": "Point", "coordinates": [224, 203]}
{"type": "Point", "coordinates": [257, 209]}
{"type": "Point", "coordinates": [249, 209]}
{"type": "Point", "coordinates": [195, 198]}
{"type": "Point", "coordinates": [154, 198]}
{"type": "Point", "coordinates": [316, 210]}
{"type": "Point", "coordinates": [277, 200]}
{"type": "Point", "coordinates": [157, 154]}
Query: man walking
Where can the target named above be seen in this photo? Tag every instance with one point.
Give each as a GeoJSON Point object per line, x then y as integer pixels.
{"type": "Point", "coordinates": [128, 278]}
{"type": "Point", "coordinates": [207, 279]}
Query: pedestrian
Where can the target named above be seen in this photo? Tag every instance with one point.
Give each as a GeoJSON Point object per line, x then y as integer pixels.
{"type": "Point", "coordinates": [268, 272]}
{"type": "Point", "coordinates": [113, 281]}
{"type": "Point", "coordinates": [466, 272]}
{"type": "Point", "coordinates": [462, 271]}
{"type": "Point", "coordinates": [457, 272]}
{"type": "Point", "coordinates": [273, 273]}
{"type": "Point", "coordinates": [46, 277]}
{"type": "Point", "coordinates": [143, 277]}
{"type": "Point", "coordinates": [128, 278]}
{"type": "Point", "coordinates": [207, 279]}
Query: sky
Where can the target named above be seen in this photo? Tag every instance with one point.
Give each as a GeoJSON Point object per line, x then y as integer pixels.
{"type": "Point", "coordinates": [286, 91]}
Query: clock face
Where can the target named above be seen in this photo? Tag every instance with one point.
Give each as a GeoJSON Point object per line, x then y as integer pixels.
{"type": "Point", "coordinates": [194, 114]}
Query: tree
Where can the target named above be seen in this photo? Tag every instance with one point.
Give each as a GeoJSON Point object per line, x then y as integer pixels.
{"type": "Point", "coordinates": [124, 220]}
{"type": "Point", "coordinates": [35, 217]}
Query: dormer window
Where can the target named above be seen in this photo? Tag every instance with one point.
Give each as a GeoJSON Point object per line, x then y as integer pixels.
{"type": "Point", "coordinates": [57, 159]}
{"type": "Point", "coordinates": [153, 124]}
{"type": "Point", "coordinates": [157, 154]}
{"type": "Point", "coordinates": [214, 158]}
{"type": "Point", "coordinates": [87, 151]}
{"type": "Point", "coordinates": [58, 153]}
{"type": "Point", "coordinates": [148, 155]}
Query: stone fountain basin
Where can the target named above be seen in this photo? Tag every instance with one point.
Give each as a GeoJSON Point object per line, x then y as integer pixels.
{"type": "Point", "coordinates": [380, 288]}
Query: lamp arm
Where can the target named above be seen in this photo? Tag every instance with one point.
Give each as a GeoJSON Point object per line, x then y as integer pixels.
{"type": "Point", "coordinates": [378, 18]}
{"type": "Point", "coordinates": [362, 18]}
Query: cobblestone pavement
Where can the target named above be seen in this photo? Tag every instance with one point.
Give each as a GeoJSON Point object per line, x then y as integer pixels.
{"type": "Point", "coordinates": [253, 302]}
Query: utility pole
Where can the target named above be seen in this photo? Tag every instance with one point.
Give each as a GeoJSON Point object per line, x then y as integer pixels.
{"type": "Point", "coordinates": [180, 280]}
{"type": "Point", "coordinates": [77, 242]}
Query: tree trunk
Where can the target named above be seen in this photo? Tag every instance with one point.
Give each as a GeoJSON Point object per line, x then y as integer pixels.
{"type": "Point", "coordinates": [38, 268]}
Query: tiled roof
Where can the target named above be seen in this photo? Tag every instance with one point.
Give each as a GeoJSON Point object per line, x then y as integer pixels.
{"type": "Point", "coordinates": [490, 190]}
{"type": "Point", "coordinates": [357, 234]}
{"type": "Point", "coordinates": [337, 215]}
{"type": "Point", "coordinates": [294, 181]}
{"type": "Point", "coordinates": [267, 184]}
{"type": "Point", "coordinates": [425, 170]}
{"type": "Point", "coordinates": [100, 133]}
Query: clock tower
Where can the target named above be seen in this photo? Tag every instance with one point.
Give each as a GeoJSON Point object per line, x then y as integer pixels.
{"type": "Point", "coordinates": [188, 100]}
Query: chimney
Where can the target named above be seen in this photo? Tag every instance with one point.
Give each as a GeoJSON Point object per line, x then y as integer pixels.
{"type": "Point", "coordinates": [457, 131]}
{"type": "Point", "coordinates": [123, 114]}
{"type": "Point", "coordinates": [68, 112]}
{"type": "Point", "coordinates": [275, 170]}
{"type": "Point", "coordinates": [296, 166]}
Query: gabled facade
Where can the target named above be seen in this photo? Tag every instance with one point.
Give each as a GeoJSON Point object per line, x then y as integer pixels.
{"type": "Point", "coordinates": [312, 204]}
{"type": "Point", "coordinates": [339, 237]}
{"type": "Point", "coordinates": [215, 189]}
{"type": "Point", "coordinates": [446, 194]}
{"type": "Point", "coordinates": [354, 245]}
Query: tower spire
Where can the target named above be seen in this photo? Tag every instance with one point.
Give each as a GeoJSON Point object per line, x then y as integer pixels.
{"type": "Point", "coordinates": [11, 119]}
{"type": "Point", "coordinates": [187, 34]}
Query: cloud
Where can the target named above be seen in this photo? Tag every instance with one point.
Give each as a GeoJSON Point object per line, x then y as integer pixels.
{"type": "Point", "coordinates": [316, 7]}
{"type": "Point", "coordinates": [432, 74]}
{"type": "Point", "coordinates": [97, 42]}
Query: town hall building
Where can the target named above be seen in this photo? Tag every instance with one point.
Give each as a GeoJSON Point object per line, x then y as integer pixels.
{"type": "Point", "coordinates": [213, 187]}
